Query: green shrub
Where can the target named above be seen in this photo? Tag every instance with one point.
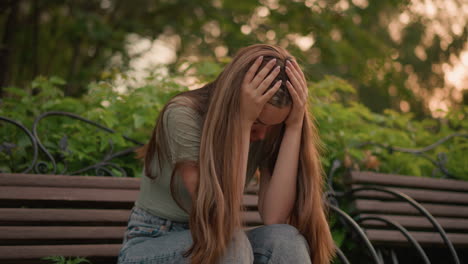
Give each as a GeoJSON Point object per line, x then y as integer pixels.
{"type": "Point", "coordinates": [343, 122]}
{"type": "Point", "coordinates": [64, 260]}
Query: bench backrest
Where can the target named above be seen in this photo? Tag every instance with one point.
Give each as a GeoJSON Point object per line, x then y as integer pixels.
{"type": "Point", "coordinates": [446, 200]}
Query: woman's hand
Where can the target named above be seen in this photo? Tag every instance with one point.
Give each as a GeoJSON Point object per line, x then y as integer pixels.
{"type": "Point", "coordinates": [299, 93]}
{"type": "Point", "coordinates": [253, 95]}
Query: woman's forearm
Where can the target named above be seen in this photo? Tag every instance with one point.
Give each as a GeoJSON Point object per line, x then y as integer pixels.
{"type": "Point", "coordinates": [280, 192]}
{"type": "Point", "coordinates": [245, 141]}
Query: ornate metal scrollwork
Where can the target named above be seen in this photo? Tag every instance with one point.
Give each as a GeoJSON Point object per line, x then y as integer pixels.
{"type": "Point", "coordinates": [104, 167]}
{"type": "Point", "coordinates": [353, 224]}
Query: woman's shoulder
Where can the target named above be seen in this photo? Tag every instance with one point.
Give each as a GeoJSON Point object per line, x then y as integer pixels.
{"type": "Point", "coordinates": [183, 128]}
{"type": "Point", "coordinates": [181, 118]}
{"type": "Point", "coordinates": [181, 112]}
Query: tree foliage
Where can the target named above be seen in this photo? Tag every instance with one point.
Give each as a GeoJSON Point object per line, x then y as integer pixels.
{"type": "Point", "coordinates": [364, 42]}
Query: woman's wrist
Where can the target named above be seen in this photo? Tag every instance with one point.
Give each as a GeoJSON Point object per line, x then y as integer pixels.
{"type": "Point", "coordinates": [294, 127]}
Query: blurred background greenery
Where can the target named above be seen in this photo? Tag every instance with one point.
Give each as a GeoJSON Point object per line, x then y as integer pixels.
{"type": "Point", "coordinates": [410, 56]}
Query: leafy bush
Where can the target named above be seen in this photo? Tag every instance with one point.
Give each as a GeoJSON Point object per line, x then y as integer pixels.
{"type": "Point", "coordinates": [79, 143]}
{"type": "Point", "coordinates": [345, 126]}
{"type": "Point", "coordinates": [63, 260]}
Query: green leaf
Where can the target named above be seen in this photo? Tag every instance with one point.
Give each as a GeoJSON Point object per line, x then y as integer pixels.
{"type": "Point", "coordinates": [338, 237]}
{"type": "Point", "coordinates": [138, 120]}
{"type": "Point", "coordinates": [16, 91]}
{"type": "Point", "coordinates": [57, 80]}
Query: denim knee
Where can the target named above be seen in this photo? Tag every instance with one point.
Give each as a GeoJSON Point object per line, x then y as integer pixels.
{"type": "Point", "coordinates": [279, 243]}
{"type": "Point", "coordinates": [239, 250]}
{"type": "Point", "coordinates": [285, 236]}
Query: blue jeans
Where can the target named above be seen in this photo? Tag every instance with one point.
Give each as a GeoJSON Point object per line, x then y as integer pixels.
{"type": "Point", "coordinates": [150, 239]}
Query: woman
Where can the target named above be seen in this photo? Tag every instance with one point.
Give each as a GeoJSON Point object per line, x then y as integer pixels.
{"type": "Point", "coordinates": [206, 146]}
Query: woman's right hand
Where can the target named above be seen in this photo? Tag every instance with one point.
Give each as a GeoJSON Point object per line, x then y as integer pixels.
{"type": "Point", "coordinates": [253, 95]}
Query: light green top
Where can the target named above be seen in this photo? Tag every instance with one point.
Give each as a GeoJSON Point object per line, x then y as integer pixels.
{"type": "Point", "coordinates": [183, 127]}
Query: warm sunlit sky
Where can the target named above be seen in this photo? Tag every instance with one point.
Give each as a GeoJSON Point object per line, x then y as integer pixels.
{"type": "Point", "coordinates": [449, 19]}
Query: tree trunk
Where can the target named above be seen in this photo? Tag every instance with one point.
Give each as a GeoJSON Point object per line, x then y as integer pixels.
{"type": "Point", "coordinates": [35, 42]}
{"type": "Point", "coordinates": [70, 89]}
{"type": "Point", "coordinates": [6, 49]}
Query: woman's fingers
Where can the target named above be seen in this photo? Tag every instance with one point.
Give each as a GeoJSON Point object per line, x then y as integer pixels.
{"type": "Point", "coordinates": [294, 78]}
{"type": "Point", "coordinates": [293, 93]}
{"type": "Point", "coordinates": [267, 96]}
{"type": "Point", "coordinates": [293, 70]}
{"type": "Point", "coordinates": [262, 74]}
{"type": "Point", "coordinates": [299, 75]}
{"type": "Point", "coordinates": [268, 80]}
{"type": "Point", "coordinates": [298, 69]}
{"type": "Point", "coordinates": [264, 78]}
{"type": "Point", "coordinates": [251, 72]}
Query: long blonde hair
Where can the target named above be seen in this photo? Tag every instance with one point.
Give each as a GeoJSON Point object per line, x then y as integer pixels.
{"type": "Point", "coordinates": [216, 212]}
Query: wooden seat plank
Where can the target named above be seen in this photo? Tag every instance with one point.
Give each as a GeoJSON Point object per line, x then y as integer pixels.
{"type": "Point", "coordinates": [39, 251]}
{"type": "Point", "coordinates": [94, 182]}
{"type": "Point", "coordinates": [53, 233]}
{"type": "Point", "coordinates": [424, 238]}
{"type": "Point", "coordinates": [250, 200]}
{"type": "Point", "coordinates": [417, 194]}
{"type": "Point", "coordinates": [67, 194]}
{"type": "Point", "coordinates": [368, 177]}
{"type": "Point", "coordinates": [413, 222]}
{"type": "Point", "coordinates": [252, 218]}
{"type": "Point", "coordinates": [388, 207]}
{"type": "Point", "coordinates": [60, 232]}
{"type": "Point", "coordinates": [22, 216]}
{"type": "Point", "coordinates": [87, 195]}
{"type": "Point", "coordinates": [25, 216]}
{"type": "Point", "coordinates": [251, 189]}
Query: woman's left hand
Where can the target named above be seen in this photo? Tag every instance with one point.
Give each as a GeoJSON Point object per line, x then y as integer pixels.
{"type": "Point", "coordinates": [299, 93]}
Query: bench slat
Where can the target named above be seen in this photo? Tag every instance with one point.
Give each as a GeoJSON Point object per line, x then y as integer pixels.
{"type": "Point", "coordinates": [22, 216]}
{"type": "Point", "coordinates": [25, 216]}
{"type": "Point", "coordinates": [367, 177]}
{"type": "Point", "coordinates": [252, 218]}
{"type": "Point", "coordinates": [60, 232]}
{"type": "Point", "coordinates": [387, 207]}
{"type": "Point", "coordinates": [42, 180]}
{"type": "Point", "coordinates": [36, 252]}
{"type": "Point", "coordinates": [417, 222]}
{"type": "Point", "coordinates": [67, 194]}
{"type": "Point", "coordinates": [82, 195]}
{"type": "Point", "coordinates": [251, 189]}
{"type": "Point", "coordinates": [250, 200]}
{"type": "Point", "coordinates": [424, 238]}
{"type": "Point", "coordinates": [417, 194]}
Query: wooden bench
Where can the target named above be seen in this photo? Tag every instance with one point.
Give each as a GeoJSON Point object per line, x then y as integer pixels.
{"type": "Point", "coordinates": [446, 200]}
{"type": "Point", "coordinates": [48, 215]}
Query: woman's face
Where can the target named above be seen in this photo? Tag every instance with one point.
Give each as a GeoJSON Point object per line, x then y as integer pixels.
{"type": "Point", "coordinates": [268, 118]}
